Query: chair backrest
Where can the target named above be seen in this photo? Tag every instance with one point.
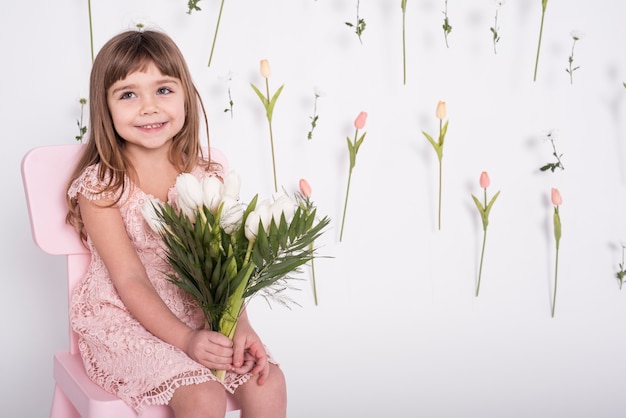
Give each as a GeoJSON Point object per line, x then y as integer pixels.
{"type": "Point", "coordinates": [45, 173]}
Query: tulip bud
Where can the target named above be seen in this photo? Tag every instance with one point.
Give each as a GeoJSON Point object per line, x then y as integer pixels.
{"type": "Point", "coordinates": [232, 185]}
{"type": "Point", "coordinates": [484, 180]}
{"type": "Point", "coordinates": [212, 193]}
{"type": "Point", "coordinates": [441, 110]}
{"type": "Point", "coordinates": [283, 205]}
{"type": "Point", "coordinates": [557, 200]}
{"type": "Point", "coordinates": [265, 69]}
{"type": "Point", "coordinates": [149, 213]}
{"type": "Point", "coordinates": [263, 209]}
{"type": "Point", "coordinates": [190, 194]}
{"type": "Point", "coordinates": [232, 215]}
{"type": "Point", "coordinates": [359, 122]}
{"type": "Point", "coordinates": [251, 227]}
{"type": "Point", "coordinates": [305, 188]}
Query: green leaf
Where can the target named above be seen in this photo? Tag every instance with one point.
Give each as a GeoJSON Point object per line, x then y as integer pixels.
{"type": "Point", "coordinates": [352, 153]}
{"type": "Point", "coordinates": [270, 107]}
{"type": "Point", "coordinates": [261, 244]}
{"type": "Point", "coordinates": [491, 202]}
{"type": "Point", "coordinates": [478, 205]}
{"type": "Point", "coordinates": [432, 142]}
{"type": "Point", "coordinates": [557, 225]}
{"type": "Point", "coordinates": [261, 96]}
{"type": "Point", "coordinates": [359, 142]}
{"type": "Point", "coordinates": [444, 131]}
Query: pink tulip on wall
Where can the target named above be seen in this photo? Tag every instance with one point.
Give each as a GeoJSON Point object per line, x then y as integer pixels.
{"type": "Point", "coordinates": [353, 149]}
{"type": "Point", "coordinates": [483, 210]}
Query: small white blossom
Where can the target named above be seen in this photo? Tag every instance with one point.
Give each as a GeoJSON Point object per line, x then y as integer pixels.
{"type": "Point", "coordinates": [577, 35]}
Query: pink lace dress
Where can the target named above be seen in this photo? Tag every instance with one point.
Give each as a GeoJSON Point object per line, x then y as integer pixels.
{"type": "Point", "coordinates": [119, 354]}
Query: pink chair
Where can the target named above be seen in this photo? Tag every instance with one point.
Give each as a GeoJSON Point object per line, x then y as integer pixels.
{"type": "Point", "coordinates": [45, 171]}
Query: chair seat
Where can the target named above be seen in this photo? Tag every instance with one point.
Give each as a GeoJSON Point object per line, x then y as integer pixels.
{"type": "Point", "coordinates": [90, 399]}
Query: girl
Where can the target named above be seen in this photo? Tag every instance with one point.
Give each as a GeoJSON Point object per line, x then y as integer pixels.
{"type": "Point", "coordinates": [140, 336]}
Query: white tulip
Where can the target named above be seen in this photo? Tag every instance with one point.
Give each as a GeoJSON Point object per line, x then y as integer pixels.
{"type": "Point", "coordinates": [149, 213]}
{"type": "Point", "coordinates": [283, 205]}
{"type": "Point", "coordinates": [264, 211]}
{"type": "Point", "coordinates": [212, 193]}
{"type": "Point", "coordinates": [252, 226]}
{"type": "Point", "coordinates": [232, 185]}
{"type": "Point", "coordinates": [189, 198]}
{"type": "Point", "coordinates": [232, 215]}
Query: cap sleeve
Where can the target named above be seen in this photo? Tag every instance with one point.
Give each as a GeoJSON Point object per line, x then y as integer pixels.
{"type": "Point", "coordinates": [90, 186]}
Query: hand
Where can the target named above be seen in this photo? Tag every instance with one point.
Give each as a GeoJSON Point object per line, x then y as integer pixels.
{"type": "Point", "coordinates": [249, 361]}
{"type": "Point", "coordinates": [211, 349]}
{"type": "Point", "coordinates": [249, 352]}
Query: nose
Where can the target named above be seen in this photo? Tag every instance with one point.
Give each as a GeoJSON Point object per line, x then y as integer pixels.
{"type": "Point", "coordinates": [148, 106]}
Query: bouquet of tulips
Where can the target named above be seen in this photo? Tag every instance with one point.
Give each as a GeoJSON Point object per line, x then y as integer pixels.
{"type": "Point", "coordinates": [223, 252]}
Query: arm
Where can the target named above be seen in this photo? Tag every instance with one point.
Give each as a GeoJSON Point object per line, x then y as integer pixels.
{"type": "Point", "coordinates": [249, 352]}
{"type": "Point", "coordinates": [106, 229]}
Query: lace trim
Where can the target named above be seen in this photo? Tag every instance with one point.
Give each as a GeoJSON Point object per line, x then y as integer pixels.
{"type": "Point", "coordinates": [164, 393]}
{"type": "Point", "coordinates": [88, 185]}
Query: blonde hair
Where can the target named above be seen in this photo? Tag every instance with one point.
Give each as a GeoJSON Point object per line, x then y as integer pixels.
{"type": "Point", "coordinates": [122, 55]}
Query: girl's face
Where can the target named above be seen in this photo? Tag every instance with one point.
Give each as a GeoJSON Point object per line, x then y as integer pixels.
{"type": "Point", "coordinates": [147, 108]}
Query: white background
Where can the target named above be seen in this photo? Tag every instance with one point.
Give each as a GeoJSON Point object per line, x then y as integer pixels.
{"type": "Point", "coordinates": [398, 330]}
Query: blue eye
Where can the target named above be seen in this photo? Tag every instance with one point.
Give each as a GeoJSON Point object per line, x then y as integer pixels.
{"type": "Point", "coordinates": [127, 95]}
{"type": "Point", "coordinates": [164, 90]}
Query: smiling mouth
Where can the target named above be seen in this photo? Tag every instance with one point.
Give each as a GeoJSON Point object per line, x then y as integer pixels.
{"type": "Point", "coordinates": [152, 126]}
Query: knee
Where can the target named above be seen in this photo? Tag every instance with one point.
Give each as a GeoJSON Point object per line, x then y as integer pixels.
{"type": "Point", "coordinates": [199, 400]}
{"type": "Point", "coordinates": [266, 400]}
{"type": "Point", "coordinates": [277, 382]}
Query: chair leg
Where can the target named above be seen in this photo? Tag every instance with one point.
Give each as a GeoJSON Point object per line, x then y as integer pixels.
{"type": "Point", "coordinates": [61, 406]}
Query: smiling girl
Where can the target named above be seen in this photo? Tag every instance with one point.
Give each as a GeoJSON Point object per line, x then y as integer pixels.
{"type": "Point", "coordinates": [140, 336]}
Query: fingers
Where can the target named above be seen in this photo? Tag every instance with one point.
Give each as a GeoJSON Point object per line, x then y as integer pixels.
{"type": "Point", "coordinates": [263, 370]}
{"type": "Point", "coordinates": [246, 367]}
{"type": "Point", "coordinates": [211, 349]}
{"type": "Point", "coordinates": [238, 354]}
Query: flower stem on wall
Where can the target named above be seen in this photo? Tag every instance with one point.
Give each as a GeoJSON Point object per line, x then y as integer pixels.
{"type": "Point", "coordinates": [217, 26]}
{"type": "Point", "coordinates": [544, 4]}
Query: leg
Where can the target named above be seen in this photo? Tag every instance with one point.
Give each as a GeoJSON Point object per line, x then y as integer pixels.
{"type": "Point", "coordinates": [204, 400]}
{"type": "Point", "coordinates": [267, 401]}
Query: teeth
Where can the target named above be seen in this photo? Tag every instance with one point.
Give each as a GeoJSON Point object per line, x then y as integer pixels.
{"type": "Point", "coordinates": [153, 126]}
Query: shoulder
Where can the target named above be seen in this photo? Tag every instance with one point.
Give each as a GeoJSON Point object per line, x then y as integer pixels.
{"type": "Point", "coordinates": [206, 169]}
{"type": "Point", "coordinates": [90, 185]}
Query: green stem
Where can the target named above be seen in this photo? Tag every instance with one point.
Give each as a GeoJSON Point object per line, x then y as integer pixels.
{"type": "Point", "coordinates": [230, 318]}
{"type": "Point", "coordinates": [439, 209]}
{"type": "Point", "coordinates": [90, 30]}
{"type": "Point", "coordinates": [219, 18]}
{"type": "Point", "coordinates": [267, 89]}
{"type": "Point", "coordinates": [404, 44]}
{"type": "Point", "coordinates": [313, 274]}
{"type": "Point", "coordinates": [543, 13]}
{"type": "Point", "coordinates": [571, 60]}
{"type": "Point", "coordinates": [482, 254]}
{"type": "Point", "coordinates": [556, 274]}
{"type": "Point", "coordinates": [345, 205]}
{"type": "Point", "coordinates": [358, 21]}
{"type": "Point", "coordinates": [440, 176]}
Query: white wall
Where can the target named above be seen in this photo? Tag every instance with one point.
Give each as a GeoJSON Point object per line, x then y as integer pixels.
{"type": "Point", "coordinates": [398, 330]}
